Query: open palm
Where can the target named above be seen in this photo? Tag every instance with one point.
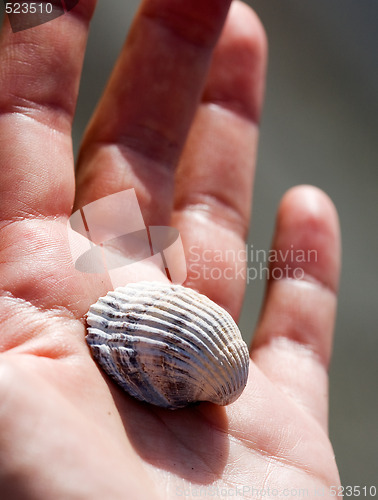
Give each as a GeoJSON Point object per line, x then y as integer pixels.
{"type": "Point", "coordinates": [180, 96]}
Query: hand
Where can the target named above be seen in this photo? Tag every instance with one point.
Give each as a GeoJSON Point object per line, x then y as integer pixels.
{"type": "Point", "coordinates": [65, 430]}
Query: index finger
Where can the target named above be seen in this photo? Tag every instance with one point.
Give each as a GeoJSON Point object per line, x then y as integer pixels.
{"type": "Point", "coordinates": [39, 79]}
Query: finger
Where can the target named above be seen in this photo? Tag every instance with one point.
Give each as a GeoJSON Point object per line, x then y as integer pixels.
{"type": "Point", "coordinates": [215, 176]}
{"type": "Point", "coordinates": [137, 133]}
{"type": "Point", "coordinates": [293, 341]}
{"type": "Point", "coordinates": [39, 80]}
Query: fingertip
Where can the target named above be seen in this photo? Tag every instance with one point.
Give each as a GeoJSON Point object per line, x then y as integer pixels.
{"type": "Point", "coordinates": [313, 202]}
{"type": "Point", "coordinates": [237, 75]}
{"type": "Point", "coordinates": [307, 220]}
{"type": "Point", "coordinates": [245, 25]}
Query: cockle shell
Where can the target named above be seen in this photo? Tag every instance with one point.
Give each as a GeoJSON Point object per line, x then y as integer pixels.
{"type": "Point", "coordinates": [168, 345]}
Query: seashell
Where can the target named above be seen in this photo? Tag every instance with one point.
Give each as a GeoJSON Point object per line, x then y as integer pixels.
{"type": "Point", "coordinates": [168, 345]}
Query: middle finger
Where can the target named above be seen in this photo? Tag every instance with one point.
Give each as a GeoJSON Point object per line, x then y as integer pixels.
{"type": "Point", "coordinates": [140, 126]}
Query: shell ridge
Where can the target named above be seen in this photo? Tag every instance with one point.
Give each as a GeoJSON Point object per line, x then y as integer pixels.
{"type": "Point", "coordinates": [175, 352]}
{"type": "Point", "coordinates": [201, 324]}
{"type": "Point", "coordinates": [226, 318]}
{"type": "Point", "coordinates": [190, 332]}
{"type": "Point", "coordinates": [209, 344]}
{"type": "Point", "coordinates": [195, 345]}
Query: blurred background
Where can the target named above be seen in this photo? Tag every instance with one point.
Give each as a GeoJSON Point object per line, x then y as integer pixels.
{"type": "Point", "coordinates": [320, 127]}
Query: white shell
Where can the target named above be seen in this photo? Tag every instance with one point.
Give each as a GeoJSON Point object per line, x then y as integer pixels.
{"type": "Point", "coordinates": [168, 345]}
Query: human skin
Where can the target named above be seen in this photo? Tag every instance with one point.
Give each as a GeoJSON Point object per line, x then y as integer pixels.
{"type": "Point", "coordinates": [178, 122]}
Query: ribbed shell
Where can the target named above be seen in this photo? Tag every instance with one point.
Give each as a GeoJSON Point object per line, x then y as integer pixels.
{"type": "Point", "coordinates": [168, 345]}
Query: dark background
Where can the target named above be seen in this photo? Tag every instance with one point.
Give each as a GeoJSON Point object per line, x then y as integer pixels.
{"type": "Point", "coordinates": [320, 126]}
